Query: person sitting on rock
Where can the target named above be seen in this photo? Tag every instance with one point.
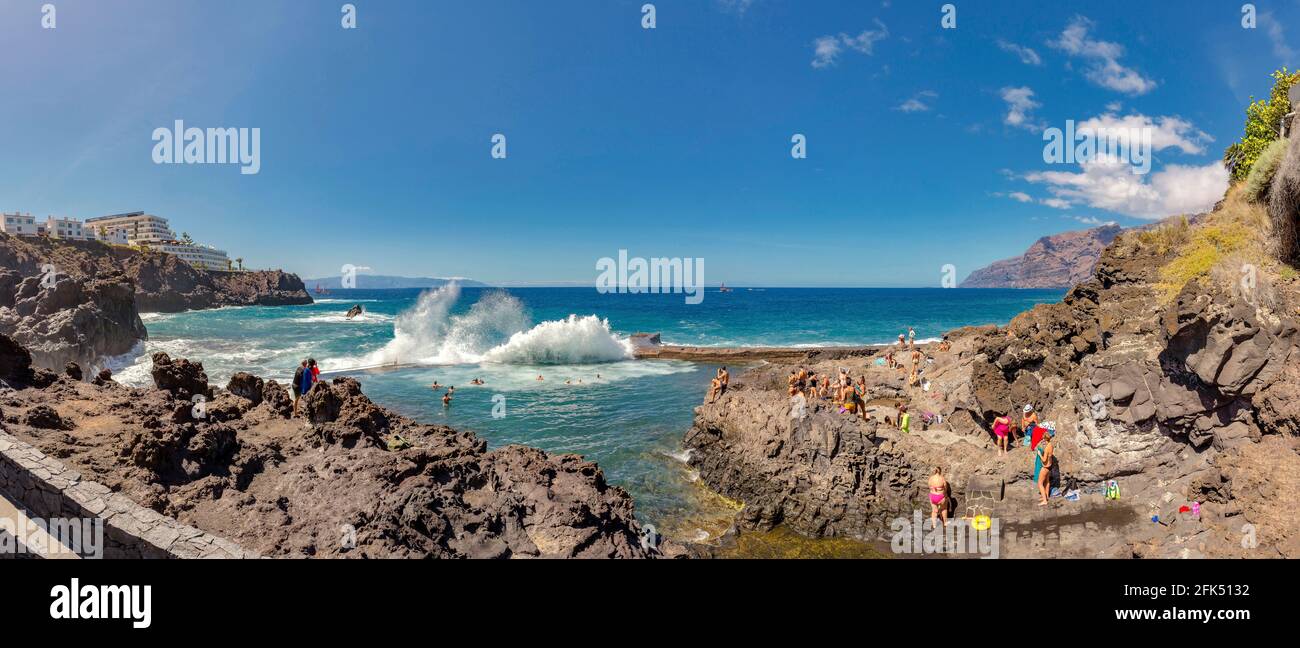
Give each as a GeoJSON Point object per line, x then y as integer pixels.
{"type": "Point", "coordinates": [714, 386]}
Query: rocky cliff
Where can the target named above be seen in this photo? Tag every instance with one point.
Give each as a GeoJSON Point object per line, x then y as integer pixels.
{"type": "Point", "coordinates": [349, 479]}
{"type": "Point", "coordinates": [1183, 397]}
{"type": "Point", "coordinates": [65, 319]}
{"type": "Point", "coordinates": [163, 283]}
{"type": "Point", "coordinates": [1057, 261]}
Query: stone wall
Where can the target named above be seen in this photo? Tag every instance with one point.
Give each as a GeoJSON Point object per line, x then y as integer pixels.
{"type": "Point", "coordinates": [48, 490]}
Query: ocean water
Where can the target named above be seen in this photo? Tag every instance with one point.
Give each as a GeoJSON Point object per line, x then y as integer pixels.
{"type": "Point", "coordinates": [593, 399]}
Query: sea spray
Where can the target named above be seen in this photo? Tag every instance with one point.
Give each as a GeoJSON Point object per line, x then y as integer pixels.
{"type": "Point", "coordinates": [495, 329]}
{"type": "Point", "coordinates": [574, 340]}
{"type": "Point", "coordinates": [417, 330]}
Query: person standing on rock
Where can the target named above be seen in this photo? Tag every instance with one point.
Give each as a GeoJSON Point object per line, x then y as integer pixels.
{"type": "Point", "coordinates": [911, 338]}
{"type": "Point", "coordinates": [308, 376]}
{"type": "Point", "coordinates": [1043, 460]}
{"type": "Point", "coordinates": [298, 376]}
{"type": "Point", "coordinates": [1002, 428]}
{"type": "Point", "coordinates": [938, 496]}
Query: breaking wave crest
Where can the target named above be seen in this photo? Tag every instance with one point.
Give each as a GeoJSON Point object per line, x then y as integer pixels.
{"type": "Point", "coordinates": [495, 329]}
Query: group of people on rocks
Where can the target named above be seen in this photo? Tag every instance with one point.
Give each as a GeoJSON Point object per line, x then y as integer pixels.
{"type": "Point", "coordinates": [842, 389]}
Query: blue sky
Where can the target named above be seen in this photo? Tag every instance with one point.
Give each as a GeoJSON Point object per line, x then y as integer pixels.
{"type": "Point", "coordinates": [924, 144]}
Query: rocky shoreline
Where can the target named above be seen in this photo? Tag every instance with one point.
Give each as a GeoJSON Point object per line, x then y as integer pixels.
{"type": "Point", "coordinates": [79, 301]}
{"type": "Point", "coordinates": [351, 479]}
{"type": "Point", "coordinates": [1182, 401]}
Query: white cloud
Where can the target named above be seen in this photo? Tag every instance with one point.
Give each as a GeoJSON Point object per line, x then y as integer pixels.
{"type": "Point", "coordinates": [1020, 103]}
{"type": "Point", "coordinates": [1021, 196]}
{"type": "Point", "coordinates": [918, 102]}
{"type": "Point", "coordinates": [1166, 132]}
{"type": "Point", "coordinates": [828, 48]}
{"type": "Point", "coordinates": [1114, 106]}
{"type": "Point", "coordinates": [1027, 55]}
{"type": "Point", "coordinates": [1057, 203]}
{"type": "Point", "coordinates": [1176, 189]}
{"type": "Point", "coordinates": [736, 6]}
{"type": "Point", "coordinates": [1091, 220]}
{"type": "Point", "coordinates": [1104, 67]}
{"type": "Point", "coordinates": [1277, 37]}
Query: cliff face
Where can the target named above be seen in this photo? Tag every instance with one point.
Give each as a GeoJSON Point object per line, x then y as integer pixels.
{"type": "Point", "coordinates": [351, 479]}
{"type": "Point", "coordinates": [163, 283]}
{"type": "Point", "coordinates": [70, 320]}
{"type": "Point", "coordinates": [1057, 261]}
{"type": "Point", "coordinates": [1182, 401]}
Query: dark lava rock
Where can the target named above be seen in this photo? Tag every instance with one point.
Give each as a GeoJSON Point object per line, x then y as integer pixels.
{"type": "Point", "coordinates": [180, 377]}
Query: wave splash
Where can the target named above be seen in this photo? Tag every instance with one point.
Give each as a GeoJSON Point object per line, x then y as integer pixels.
{"type": "Point", "coordinates": [496, 329]}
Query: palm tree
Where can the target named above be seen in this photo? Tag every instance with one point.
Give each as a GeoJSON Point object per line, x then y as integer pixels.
{"type": "Point", "coordinates": [230, 265]}
{"type": "Point", "coordinates": [240, 261]}
{"type": "Point", "coordinates": [185, 238]}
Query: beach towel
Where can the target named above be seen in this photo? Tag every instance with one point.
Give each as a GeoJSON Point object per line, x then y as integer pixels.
{"type": "Point", "coordinates": [1036, 434]}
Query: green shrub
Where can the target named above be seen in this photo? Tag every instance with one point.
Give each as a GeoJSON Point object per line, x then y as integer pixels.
{"type": "Point", "coordinates": [1265, 167]}
{"type": "Point", "coordinates": [1263, 121]}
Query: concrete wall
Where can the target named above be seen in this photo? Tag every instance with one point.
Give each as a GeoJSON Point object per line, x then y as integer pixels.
{"type": "Point", "coordinates": [48, 489]}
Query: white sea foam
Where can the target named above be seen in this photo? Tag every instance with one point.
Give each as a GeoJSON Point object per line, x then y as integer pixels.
{"type": "Point", "coordinates": [683, 456]}
{"type": "Point", "coordinates": [342, 318]}
{"type": "Point", "coordinates": [495, 330]}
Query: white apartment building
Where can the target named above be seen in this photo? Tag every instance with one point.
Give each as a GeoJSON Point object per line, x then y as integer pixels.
{"type": "Point", "coordinates": [134, 228]}
{"type": "Point", "coordinates": [139, 227]}
{"type": "Point", "coordinates": [17, 224]}
{"type": "Point", "coordinates": [199, 256]}
{"type": "Point", "coordinates": [65, 228]}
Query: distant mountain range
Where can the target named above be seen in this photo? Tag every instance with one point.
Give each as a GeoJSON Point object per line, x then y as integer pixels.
{"type": "Point", "coordinates": [1057, 261]}
{"type": "Point", "coordinates": [384, 282]}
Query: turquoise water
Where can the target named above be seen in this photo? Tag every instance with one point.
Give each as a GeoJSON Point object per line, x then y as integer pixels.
{"type": "Point", "coordinates": [627, 415]}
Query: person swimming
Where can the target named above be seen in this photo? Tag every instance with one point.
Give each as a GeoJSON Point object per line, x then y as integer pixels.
{"type": "Point", "coordinates": [446, 399]}
{"type": "Point", "coordinates": [938, 495]}
{"type": "Point", "coordinates": [539, 377]}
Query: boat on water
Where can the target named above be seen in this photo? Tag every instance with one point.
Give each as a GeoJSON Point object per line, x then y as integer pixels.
{"type": "Point", "coordinates": [723, 288]}
{"type": "Point", "coordinates": [321, 290]}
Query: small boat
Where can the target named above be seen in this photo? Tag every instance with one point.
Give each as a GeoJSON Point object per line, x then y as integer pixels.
{"type": "Point", "coordinates": [723, 288]}
{"type": "Point", "coordinates": [321, 290]}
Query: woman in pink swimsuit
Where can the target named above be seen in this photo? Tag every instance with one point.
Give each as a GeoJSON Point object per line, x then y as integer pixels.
{"type": "Point", "coordinates": [1002, 427]}
{"type": "Point", "coordinates": [938, 496]}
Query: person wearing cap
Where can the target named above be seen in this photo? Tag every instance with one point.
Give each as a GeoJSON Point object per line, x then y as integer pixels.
{"type": "Point", "coordinates": [1028, 419]}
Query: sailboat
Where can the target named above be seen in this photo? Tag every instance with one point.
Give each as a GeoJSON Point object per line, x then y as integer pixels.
{"type": "Point", "coordinates": [321, 290]}
{"type": "Point", "coordinates": [723, 288]}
